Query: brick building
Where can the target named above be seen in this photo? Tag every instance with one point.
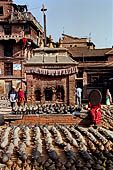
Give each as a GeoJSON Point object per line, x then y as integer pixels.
{"type": "Point", "coordinates": [69, 41]}
{"type": "Point", "coordinates": [95, 68]}
{"type": "Point", "coordinates": [19, 35]}
{"type": "Point", "coordinates": [50, 75]}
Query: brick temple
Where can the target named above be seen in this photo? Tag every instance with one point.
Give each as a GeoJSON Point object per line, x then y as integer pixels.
{"type": "Point", "coordinates": [50, 76]}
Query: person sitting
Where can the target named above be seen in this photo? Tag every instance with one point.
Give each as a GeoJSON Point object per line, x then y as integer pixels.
{"type": "Point", "coordinates": [94, 105]}
{"type": "Point", "coordinates": [95, 112]}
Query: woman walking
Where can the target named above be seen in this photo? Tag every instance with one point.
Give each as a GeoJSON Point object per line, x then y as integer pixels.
{"type": "Point", "coordinates": [108, 97]}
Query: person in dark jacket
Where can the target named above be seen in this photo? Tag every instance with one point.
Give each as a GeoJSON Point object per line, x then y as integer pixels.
{"type": "Point", "coordinates": [25, 93]}
{"type": "Point", "coordinates": [13, 95]}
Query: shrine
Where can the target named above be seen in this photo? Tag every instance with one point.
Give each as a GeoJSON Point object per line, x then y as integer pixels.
{"type": "Point", "coordinates": [50, 76]}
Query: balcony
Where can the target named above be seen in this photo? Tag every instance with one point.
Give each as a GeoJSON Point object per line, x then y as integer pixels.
{"type": "Point", "coordinates": [18, 37]}
{"type": "Point", "coordinates": [7, 37]}
{"type": "Point", "coordinates": [24, 17]}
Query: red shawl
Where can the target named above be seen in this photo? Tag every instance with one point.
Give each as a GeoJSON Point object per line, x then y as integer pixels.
{"type": "Point", "coordinates": [21, 96]}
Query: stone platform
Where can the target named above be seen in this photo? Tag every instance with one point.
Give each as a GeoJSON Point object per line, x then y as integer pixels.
{"type": "Point", "coordinates": [42, 119]}
{"type": "Point", "coordinates": [51, 119]}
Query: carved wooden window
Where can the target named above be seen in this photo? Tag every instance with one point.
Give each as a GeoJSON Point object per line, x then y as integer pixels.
{"type": "Point", "coordinates": [7, 29]}
{"type": "Point", "coordinates": [8, 69]}
{"type": "Point", "coordinates": [1, 11]}
{"type": "Point", "coordinates": [8, 50]}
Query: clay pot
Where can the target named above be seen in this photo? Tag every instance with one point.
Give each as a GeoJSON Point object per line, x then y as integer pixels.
{"type": "Point", "coordinates": [17, 168]}
{"type": "Point", "coordinates": [14, 166]}
{"type": "Point", "coordinates": [6, 168]}
{"type": "Point", "coordinates": [97, 167]}
{"type": "Point", "coordinates": [101, 147]}
{"type": "Point", "coordinates": [79, 164]}
{"type": "Point", "coordinates": [68, 165]}
{"type": "Point", "coordinates": [19, 162]}
{"type": "Point", "coordinates": [5, 158]}
{"type": "Point", "coordinates": [25, 164]}
{"type": "Point", "coordinates": [9, 163]}
{"type": "Point", "coordinates": [88, 165]}
{"type": "Point", "coordinates": [27, 167]}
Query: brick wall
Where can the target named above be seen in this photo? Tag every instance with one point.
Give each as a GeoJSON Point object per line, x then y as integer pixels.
{"type": "Point", "coordinates": [17, 51]}
{"type": "Point", "coordinates": [72, 42]}
{"type": "Point", "coordinates": [6, 8]}
{"type": "Point", "coordinates": [17, 30]}
{"type": "Point", "coordinates": [1, 50]}
{"type": "Point", "coordinates": [1, 30]}
{"type": "Point", "coordinates": [2, 68]}
{"type": "Point", "coordinates": [35, 82]}
{"type": "Point", "coordinates": [67, 41]}
{"type": "Point", "coordinates": [16, 73]}
{"type": "Point", "coordinates": [51, 120]}
{"type": "Point", "coordinates": [33, 33]}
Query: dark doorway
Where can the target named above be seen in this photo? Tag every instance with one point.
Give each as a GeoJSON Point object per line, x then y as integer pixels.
{"type": "Point", "coordinates": [38, 95]}
{"type": "Point", "coordinates": [8, 50]}
{"type": "Point", "coordinates": [1, 11]}
{"type": "Point", "coordinates": [48, 94]}
{"type": "Point", "coordinates": [60, 93]}
{"type": "Point", "coordinates": [8, 85]}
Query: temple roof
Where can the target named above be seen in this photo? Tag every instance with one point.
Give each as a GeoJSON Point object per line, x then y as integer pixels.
{"type": "Point", "coordinates": [56, 56]}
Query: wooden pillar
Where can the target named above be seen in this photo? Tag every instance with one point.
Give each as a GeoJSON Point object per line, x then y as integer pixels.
{"type": "Point", "coordinates": [30, 89]}
{"type": "Point", "coordinates": [43, 95]}
{"type": "Point", "coordinates": [54, 95]}
{"type": "Point", "coordinates": [65, 91]}
{"type": "Point", "coordinates": [72, 90]}
{"type": "Point", "coordinates": [84, 85]}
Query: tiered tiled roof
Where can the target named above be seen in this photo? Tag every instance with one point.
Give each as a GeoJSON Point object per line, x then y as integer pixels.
{"type": "Point", "coordinates": [85, 52]}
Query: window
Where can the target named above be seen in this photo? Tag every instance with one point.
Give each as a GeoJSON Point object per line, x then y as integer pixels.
{"type": "Point", "coordinates": [8, 50]}
{"type": "Point", "coordinates": [27, 29]}
{"type": "Point", "coordinates": [8, 69]}
{"type": "Point", "coordinates": [7, 29]}
{"type": "Point", "coordinates": [1, 10]}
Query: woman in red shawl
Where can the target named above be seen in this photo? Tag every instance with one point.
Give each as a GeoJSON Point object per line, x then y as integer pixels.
{"type": "Point", "coordinates": [95, 112]}
{"type": "Point", "coordinates": [21, 97]}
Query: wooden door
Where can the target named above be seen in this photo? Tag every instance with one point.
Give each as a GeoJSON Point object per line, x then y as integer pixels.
{"type": "Point", "coordinates": [8, 85]}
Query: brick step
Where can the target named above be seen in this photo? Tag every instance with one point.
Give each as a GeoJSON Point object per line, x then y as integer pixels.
{"type": "Point", "coordinates": [50, 120]}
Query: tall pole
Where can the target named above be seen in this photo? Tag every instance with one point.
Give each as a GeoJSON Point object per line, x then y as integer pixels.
{"type": "Point", "coordinates": [44, 17]}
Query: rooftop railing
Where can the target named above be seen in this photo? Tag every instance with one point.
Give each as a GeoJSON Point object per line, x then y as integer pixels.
{"type": "Point", "coordinates": [25, 16]}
